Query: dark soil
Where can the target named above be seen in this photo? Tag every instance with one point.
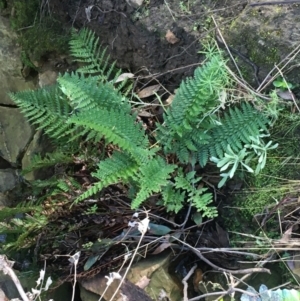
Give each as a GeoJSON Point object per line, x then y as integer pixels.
{"type": "Point", "coordinates": [135, 38]}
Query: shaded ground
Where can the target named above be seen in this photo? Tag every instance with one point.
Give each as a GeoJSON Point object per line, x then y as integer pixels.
{"type": "Point", "coordinates": [135, 38]}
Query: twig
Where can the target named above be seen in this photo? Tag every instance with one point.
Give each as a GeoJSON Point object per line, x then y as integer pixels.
{"type": "Point", "coordinates": [243, 271]}
{"type": "Point", "coordinates": [274, 2]}
{"type": "Point", "coordinates": [169, 10]}
{"type": "Point", "coordinates": [227, 48]}
{"type": "Point", "coordinates": [6, 268]}
{"type": "Point", "coordinates": [131, 261]}
{"type": "Point", "coordinates": [229, 291]}
{"type": "Point", "coordinates": [288, 58]}
{"type": "Point", "coordinates": [185, 284]}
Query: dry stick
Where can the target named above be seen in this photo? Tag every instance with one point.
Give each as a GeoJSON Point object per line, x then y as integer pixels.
{"type": "Point", "coordinates": [244, 85]}
{"type": "Point", "coordinates": [6, 268]}
{"type": "Point", "coordinates": [130, 263]}
{"type": "Point", "coordinates": [185, 284]}
{"type": "Point", "coordinates": [224, 293]}
{"type": "Point", "coordinates": [240, 80]}
{"type": "Point", "coordinates": [236, 284]}
{"type": "Point", "coordinates": [229, 52]}
{"type": "Point", "coordinates": [169, 10]}
{"type": "Point", "coordinates": [288, 58]}
{"type": "Point", "coordinates": [244, 271]}
{"type": "Point", "coordinates": [274, 2]}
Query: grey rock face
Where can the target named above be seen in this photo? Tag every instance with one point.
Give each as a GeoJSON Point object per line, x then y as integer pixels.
{"type": "Point", "coordinates": [11, 79]}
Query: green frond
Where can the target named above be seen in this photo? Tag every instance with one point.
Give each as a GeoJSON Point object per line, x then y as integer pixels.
{"type": "Point", "coordinates": [49, 159]}
{"type": "Point", "coordinates": [235, 129]}
{"type": "Point", "coordinates": [7, 212]}
{"type": "Point", "coordinates": [172, 199]}
{"type": "Point", "coordinates": [152, 176]}
{"type": "Point", "coordinates": [48, 108]}
{"type": "Point", "coordinates": [119, 167]}
{"type": "Point", "coordinates": [86, 93]}
{"type": "Point", "coordinates": [84, 47]}
{"type": "Point", "coordinates": [197, 95]}
{"type": "Point", "coordinates": [118, 127]}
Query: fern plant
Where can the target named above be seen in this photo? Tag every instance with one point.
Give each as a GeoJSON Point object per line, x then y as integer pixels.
{"type": "Point", "coordinates": [198, 125]}
{"type": "Point", "coordinates": [89, 106]}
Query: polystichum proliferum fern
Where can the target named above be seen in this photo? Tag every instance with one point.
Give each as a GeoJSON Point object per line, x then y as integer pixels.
{"type": "Point", "coordinates": [198, 126]}
{"type": "Point", "coordinates": [89, 106]}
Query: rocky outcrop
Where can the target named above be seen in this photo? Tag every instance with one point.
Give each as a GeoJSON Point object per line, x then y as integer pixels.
{"type": "Point", "coordinates": [267, 35]}
{"type": "Point", "coordinates": [15, 132]}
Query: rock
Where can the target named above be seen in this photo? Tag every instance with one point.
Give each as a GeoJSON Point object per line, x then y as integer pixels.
{"type": "Point", "coordinates": [154, 267]}
{"type": "Point", "coordinates": [15, 134]}
{"type": "Point", "coordinates": [39, 145]}
{"type": "Point", "coordinates": [266, 35]}
{"type": "Point", "coordinates": [9, 186]}
{"type": "Point", "coordinates": [47, 78]}
{"type": "Point", "coordinates": [11, 79]}
{"type": "Point", "coordinates": [8, 179]}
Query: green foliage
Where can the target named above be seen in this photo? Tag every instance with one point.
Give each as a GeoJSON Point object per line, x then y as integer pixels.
{"type": "Point", "coordinates": [26, 226]}
{"type": "Point", "coordinates": [48, 108]}
{"type": "Point", "coordinates": [185, 188]}
{"type": "Point", "coordinates": [191, 112]}
{"type": "Point", "coordinates": [50, 159]}
{"type": "Point", "coordinates": [84, 47]}
{"type": "Point", "coordinates": [81, 105]}
{"type": "Point", "coordinates": [89, 106]}
{"type": "Point", "coordinates": [3, 4]}
{"type": "Point", "coordinates": [197, 126]}
{"type": "Point", "coordinates": [283, 84]}
{"type": "Point", "coordinates": [152, 176]}
{"type": "Point", "coordinates": [235, 129]}
{"type": "Point", "coordinates": [40, 33]}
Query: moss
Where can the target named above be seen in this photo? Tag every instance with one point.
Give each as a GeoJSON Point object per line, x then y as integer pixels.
{"type": "Point", "coordinates": [25, 13]}
{"type": "Point", "coordinates": [278, 177]}
{"type": "Point", "coordinates": [3, 4]}
{"type": "Point", "coordinates": [44, 38]}
{"type": "Point", "coordinates": [37, 35]}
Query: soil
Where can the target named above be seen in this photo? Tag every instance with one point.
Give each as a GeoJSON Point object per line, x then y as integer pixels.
{"type": "Point", "coordinates": [135, 37]}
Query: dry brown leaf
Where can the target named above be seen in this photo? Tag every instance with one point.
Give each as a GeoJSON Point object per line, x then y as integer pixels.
{"type": "Point", "coordinates": [144, 113]}
{"type": "Point", "coordinates": [124, 76]}
{"type": "Point", "coordinates": [198, 277]}
{"type": "Point", "coordinates": [171, 38]}
{"type": "Point", "coordinates": [162, 247]}
{"type": "Point", "coordinates": [148, 91]}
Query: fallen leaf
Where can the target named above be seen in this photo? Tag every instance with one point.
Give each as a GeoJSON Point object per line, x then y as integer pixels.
{"type": "Point", "coordinates": [198, 277]}
{"type": "Point", "coordinates": [124, 76]}
{"type": "Point", "coordinates": [171, 38]}
{"type": "Point", "coordinates": [158, 229]}
{"type": "Point", "coordinates": [151, 90]}
{"type": "Point", "coordinates": [162, 247]}
{"type": "Point", "coordinates": [197, 218]}
{"type": "Point", "coordinates": [286, 95]}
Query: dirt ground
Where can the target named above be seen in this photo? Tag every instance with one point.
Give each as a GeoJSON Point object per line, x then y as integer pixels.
{"type": "Point", "coordinates": [135, 37]}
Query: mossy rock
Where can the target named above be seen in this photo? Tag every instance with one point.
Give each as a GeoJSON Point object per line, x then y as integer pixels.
{"type": "Point", "coordinates": [38, 34]}
{"type": "Point", "coordinates": [266, 35]}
